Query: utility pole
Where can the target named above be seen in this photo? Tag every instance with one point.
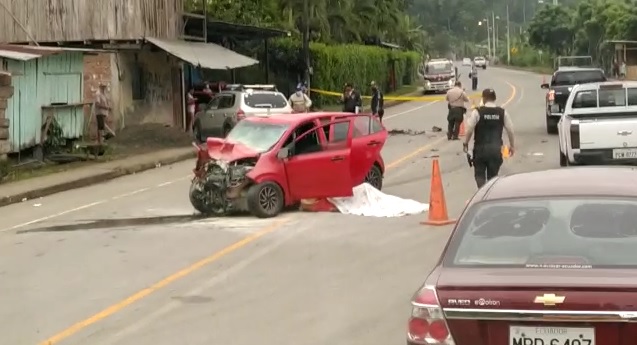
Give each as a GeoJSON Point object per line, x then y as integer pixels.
{"type": "Point", "coordinates": [494, 26]}
{"type": "Point", "coordinates": [306, 41]}
{"type": "Point", "coordinates": [508, 37]}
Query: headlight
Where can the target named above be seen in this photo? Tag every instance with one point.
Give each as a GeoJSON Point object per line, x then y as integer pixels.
{"type": "Point", "coordinates": [451, 82]}
{"type": "Point", "coordinates": [570, 89]}
{"type": "Point", "coordinates": [427, 83]}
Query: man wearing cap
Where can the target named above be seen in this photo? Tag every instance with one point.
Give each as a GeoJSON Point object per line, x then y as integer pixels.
{"type": "Point", "coordinates": [486, 123]}
{"type": "Point", "coordinates": [299, 101]}
{"type": "Point", "coordinates": [378, 102]}
{"type": "Point", "coordinates": [351, 99]}
{"type": "Point", "coordinates": [456, 99]}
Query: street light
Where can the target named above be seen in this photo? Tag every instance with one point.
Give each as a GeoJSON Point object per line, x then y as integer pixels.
{"type": "Point", "coordinates": [486, 20]}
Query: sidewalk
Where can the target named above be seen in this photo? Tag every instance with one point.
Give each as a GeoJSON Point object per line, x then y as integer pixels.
{"type": "Point", "coordinates": [36, 187]}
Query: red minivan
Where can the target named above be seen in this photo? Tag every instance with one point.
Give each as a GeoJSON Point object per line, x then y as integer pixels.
{"type": "Point", "coordinates": [269, 162]}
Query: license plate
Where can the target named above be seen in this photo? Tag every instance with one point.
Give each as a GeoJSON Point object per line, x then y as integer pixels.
{"type": "Point", "coordinates": [519, 335]}
{"type": "Point", "coordinates": [624, 153]}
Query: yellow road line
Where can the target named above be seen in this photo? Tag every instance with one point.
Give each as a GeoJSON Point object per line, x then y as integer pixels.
{"type": "Point", "coordinates": [276, 225]}
{"type": "Point", "coordinates": [163, 283]}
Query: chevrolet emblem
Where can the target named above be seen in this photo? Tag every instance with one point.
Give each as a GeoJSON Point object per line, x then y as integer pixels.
{"type": "Point", "coordinates": [549, 299]}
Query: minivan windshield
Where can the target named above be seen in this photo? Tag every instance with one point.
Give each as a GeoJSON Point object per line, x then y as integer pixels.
{"type": "Point", "coordinates": [257, 135]}
{"type": "Point", "coordinates": [438, 67]}
{"type": "Point", "coordinates": [547, 233]}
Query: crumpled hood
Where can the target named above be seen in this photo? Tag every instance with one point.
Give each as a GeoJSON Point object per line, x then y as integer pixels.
{"type": "Point", "coordinates": [223, 150]}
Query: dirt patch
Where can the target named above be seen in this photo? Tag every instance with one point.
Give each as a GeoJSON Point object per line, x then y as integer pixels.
{"type": "Point", "coordinates": [148, 137]}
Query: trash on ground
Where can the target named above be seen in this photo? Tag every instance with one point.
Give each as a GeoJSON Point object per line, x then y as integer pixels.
{"type": "Point", "coordinates": [436, 129]}
{"type": "Point", "coordinates": [405, 132]}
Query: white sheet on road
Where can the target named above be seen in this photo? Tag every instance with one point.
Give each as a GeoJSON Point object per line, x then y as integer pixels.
{"type": "Point", "coordinates": [369, 201]}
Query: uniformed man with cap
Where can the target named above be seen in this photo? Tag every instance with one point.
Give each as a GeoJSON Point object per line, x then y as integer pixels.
{"type": "Point", "coordinates": [486, 124]}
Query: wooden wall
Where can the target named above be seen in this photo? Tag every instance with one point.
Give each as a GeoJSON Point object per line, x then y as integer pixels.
{"type": "Point", "coordinates": [89, 20]}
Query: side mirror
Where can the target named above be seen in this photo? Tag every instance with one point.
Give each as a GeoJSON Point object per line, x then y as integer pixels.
{"type": "Point", "coordinates": [544, 86]}
{"type": "Point", "coordinates": [283, 153]}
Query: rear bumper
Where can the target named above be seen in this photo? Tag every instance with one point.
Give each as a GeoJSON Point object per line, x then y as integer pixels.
{"type": "Point", "coordinates": [601, 156]}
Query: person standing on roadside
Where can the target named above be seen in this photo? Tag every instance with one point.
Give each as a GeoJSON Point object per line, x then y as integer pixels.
{"type": "Point", "coordinates": [102, 107]}
{"type": "Point", "coordinates": [378, 102]}
{"type": "Point", "coordinates": [456, 99]}
{"type": "Point", "coordinates": [474, 76]}
{"type": "Point", "coordinates": [622, 70]}
{"type": "Point", "coordinates": [486, 124]}
{"type": "Point", "coordinates": [351, 100]}
{"type": "Point", "coordinates": [191, 105]}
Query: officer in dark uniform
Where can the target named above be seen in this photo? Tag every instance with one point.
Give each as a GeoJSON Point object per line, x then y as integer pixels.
{"type": "Point", "coordinates": [486, 124]}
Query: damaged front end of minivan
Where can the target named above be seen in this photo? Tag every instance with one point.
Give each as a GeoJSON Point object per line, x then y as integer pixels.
{"type": "Point", "coordinates": [219, 186]}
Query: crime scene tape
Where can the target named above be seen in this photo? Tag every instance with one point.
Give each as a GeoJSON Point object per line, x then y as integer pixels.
{"type": "Point", "coordinates": [397, 98]}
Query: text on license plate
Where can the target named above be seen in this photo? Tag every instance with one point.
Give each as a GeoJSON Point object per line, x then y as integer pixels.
{"type": "Point", "coordinates": [624, 153]}
{"type": "Point", "coordinates": [519, 335]}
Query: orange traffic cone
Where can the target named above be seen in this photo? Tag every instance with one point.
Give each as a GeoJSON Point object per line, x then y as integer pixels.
{"type": "Point", "coordinates": [461, 133]}
{"type": "Point", "coordinates": [505, 151]}
{"type": "Point", "coordinates": [437, 204]}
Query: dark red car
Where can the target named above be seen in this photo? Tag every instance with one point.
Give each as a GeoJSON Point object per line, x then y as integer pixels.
{"type": "Point", "coordinates": [269, 162]}
{"type": "Point", "coordinates": [539, 258]}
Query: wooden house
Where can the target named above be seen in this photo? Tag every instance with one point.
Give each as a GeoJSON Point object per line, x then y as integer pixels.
{"type": "Point", "coordinates": [144, 50]}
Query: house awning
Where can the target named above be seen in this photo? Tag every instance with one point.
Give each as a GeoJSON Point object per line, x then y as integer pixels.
{"type": "Point", "coordinates": [204, 55]}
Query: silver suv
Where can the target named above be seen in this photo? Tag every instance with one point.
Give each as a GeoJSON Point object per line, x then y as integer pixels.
{"type": "Point", "coordinates": [236, 103]}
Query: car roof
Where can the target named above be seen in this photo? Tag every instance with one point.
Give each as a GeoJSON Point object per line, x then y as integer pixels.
{"type": "Point", "coordinates": [611, 181]}
{"type": "Point", "coordinates": [238, 92]}
{"type": "Point", "coordinates": [293, 119]}
{"type": "Point", "coordinates": [578, 69]}
{"type": "Point", "coordinates": [595, 86]}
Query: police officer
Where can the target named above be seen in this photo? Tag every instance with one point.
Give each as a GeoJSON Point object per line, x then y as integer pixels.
{"type": "Point", "coordinates": [474, 76]}
{"type": "Point", "coordinates": [486, 124]}
{"type": "Point", "coordinates": [456, 99]}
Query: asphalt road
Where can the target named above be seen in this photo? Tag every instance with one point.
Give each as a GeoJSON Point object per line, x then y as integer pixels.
{"type": "Point", "coordinates": [126, 262]}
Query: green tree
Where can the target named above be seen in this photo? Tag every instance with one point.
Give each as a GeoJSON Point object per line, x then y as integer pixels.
{"type": "Point", "coordinates": [551, 29]}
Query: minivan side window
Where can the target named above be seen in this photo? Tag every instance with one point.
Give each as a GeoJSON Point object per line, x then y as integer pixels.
{"type": "Point", "coordinates": [227, 101]}
{"type": "Point", "coordinates": [632, 96]}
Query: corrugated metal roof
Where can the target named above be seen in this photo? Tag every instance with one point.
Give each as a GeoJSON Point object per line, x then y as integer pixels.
{"type": "Point", "coordinates": [26, 53]}
{"type": "Point", "coordinates": [205, 55]}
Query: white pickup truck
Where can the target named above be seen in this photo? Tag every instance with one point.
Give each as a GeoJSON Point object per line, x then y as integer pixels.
{"type": "Point", "coordinates": [599, 124]}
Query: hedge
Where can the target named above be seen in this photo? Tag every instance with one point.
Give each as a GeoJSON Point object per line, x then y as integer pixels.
{"type": "Point", "coordinates": [335, 65]}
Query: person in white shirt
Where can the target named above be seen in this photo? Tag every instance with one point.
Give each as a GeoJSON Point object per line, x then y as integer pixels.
{"type": "Point", "coordinates": [299, 101]}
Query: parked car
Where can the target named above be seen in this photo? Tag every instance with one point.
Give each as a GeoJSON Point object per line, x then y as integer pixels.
{"type": "Point", "coordinates": [269, 162]}
{"type": "Point", "coordinates": [466, 62]}
{"type": "Point", "coordinates": [560, 87]}
{"type": "Point", "coordinates": [480, 62]}
{"type": "Point", "coordinates": [234, 104]}
{"type": "Point", "coordinates": [599, 124]}
{"type": "Point", "coordinates": [545, 257]}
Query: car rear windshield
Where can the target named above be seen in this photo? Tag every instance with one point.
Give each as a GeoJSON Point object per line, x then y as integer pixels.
{"type": "Point", "coordinates": [257, 135]}
{"type": "Point", "coordinates": [265, 100]}
{"type": "Point", "coordinates": [547, 233]}
{"type": "Point", "coordinates": [577, 77]}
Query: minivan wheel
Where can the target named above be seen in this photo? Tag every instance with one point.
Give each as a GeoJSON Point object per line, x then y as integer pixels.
{"type": "Point", "coordinates": [265, 199]}
{"type": "Point", "coordinates": [375, 177]}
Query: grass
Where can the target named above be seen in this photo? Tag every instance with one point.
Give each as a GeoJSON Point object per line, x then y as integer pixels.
{"type": "Point", "coordinates": [402, 91]}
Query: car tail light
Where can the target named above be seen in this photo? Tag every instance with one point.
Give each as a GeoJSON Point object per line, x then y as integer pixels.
{"type": "Point", "coordinates": [551, 96]}
{"type": "Point", "coordinates": [241, 115]}
{"type": "Point", "coordinates": [427, 324]}
{"type": "Point", "coordinates": [575, 135]}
